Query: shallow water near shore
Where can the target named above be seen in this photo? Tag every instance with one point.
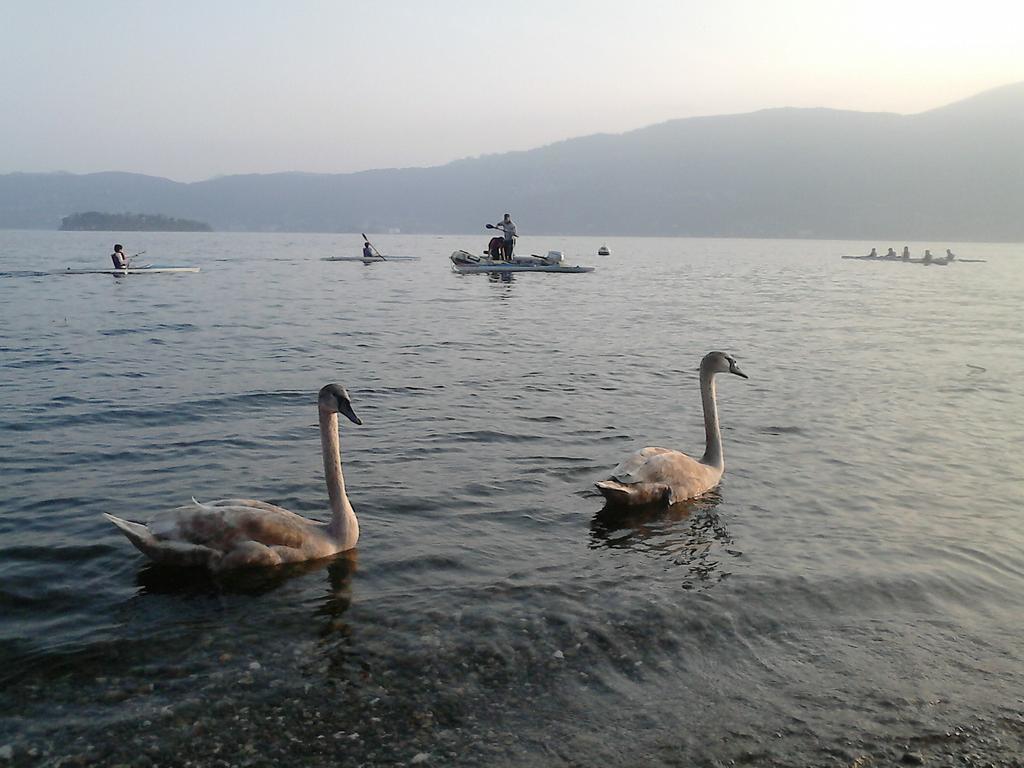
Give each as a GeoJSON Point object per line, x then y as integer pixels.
{"type": "Point", "coordinates": [853, 589]}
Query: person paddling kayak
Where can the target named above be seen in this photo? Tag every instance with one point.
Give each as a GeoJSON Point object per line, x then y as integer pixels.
{"type": "Point", "coordinates": [118, 257]}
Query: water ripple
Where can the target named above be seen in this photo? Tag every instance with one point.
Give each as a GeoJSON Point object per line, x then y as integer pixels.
{"type": "Point", "coordinates": [852, 587]}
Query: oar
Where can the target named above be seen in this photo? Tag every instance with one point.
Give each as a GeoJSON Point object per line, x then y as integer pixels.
{"type": "Point", "coordinates": [372, 248]}
{"type": "Point", "coordinates": [130, 259]}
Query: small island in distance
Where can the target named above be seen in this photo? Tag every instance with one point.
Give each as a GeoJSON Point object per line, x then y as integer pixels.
{"type": "Point", "coordinates": [93, 221]}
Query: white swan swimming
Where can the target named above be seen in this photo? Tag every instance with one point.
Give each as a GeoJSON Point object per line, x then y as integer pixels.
{"type": "Point", "coordinates": [661, 475]}
{"type": "Point", "coordinates": [237, 533]}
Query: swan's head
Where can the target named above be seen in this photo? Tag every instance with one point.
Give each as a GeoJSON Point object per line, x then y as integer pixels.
{"type": "Point", "coordinates": [719, 362]}
{"type": "Point", "coordinates": [334, 399]}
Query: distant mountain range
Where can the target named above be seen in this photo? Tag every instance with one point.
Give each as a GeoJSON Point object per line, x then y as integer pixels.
{"type": "Point", "coordinates": [953, 173]}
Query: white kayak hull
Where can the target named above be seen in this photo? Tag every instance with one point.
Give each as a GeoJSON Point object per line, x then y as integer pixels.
{"type": "Point", "coordinates": [371, 261]}
{"type": "Point", "coordinates": [153, 270]}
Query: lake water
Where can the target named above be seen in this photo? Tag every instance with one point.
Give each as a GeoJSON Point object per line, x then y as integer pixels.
{"type": "Point", "coordinates": [853, 591]}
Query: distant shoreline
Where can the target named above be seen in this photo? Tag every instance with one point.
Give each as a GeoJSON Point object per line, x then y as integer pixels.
{"type": "Point", "coordinates": [94, 221]}
{"type": "Point", "coordinates": [535, 236]}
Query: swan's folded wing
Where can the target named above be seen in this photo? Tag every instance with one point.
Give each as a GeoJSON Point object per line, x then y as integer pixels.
{"type": "Point", "coordinates": [630, 470]}
{"type": "Point", "coordinates": [221, 526]}
{"type": "Point", "coordinates": [684, 476]}
{"type": "Point", "coordinates": [254, 504]}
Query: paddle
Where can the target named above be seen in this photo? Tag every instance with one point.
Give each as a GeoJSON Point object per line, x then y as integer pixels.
{"type": "Point", "coordinates": [498, 227]}
{"type": "Point", "coordinates": [379, 254]}
{"type": "Point", "coordinates": [130, 259]}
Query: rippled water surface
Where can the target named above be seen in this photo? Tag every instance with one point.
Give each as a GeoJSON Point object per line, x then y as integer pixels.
{"type": "Point", "coordinates": [853, 591]}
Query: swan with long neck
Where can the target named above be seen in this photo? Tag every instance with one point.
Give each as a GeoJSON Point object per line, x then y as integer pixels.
{"type": "Point", "coordinates": [236, 533]}
{"type": "Point", "coordinates": [663, 476]}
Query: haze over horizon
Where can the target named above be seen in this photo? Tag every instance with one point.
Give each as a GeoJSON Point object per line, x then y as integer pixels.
{"type": "Point", "coordinates": [189, 91]}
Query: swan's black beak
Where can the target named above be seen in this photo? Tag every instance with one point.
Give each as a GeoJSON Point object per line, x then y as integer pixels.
{"type": "Point", "coordinates": [345, 408]}
{"type": "Point", "coordinates": [737, 371]}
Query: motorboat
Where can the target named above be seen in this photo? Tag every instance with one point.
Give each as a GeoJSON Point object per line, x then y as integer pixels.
{"type": "Point", "coordinates": [465, 262]}
{"type": "Point", "coordinates": [603, 251]}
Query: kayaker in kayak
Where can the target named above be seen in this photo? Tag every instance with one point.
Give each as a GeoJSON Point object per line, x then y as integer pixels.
{"type": "Point", "coordinates": [368, 251]}
{"type": "Point", "coordinates": [118, 257]}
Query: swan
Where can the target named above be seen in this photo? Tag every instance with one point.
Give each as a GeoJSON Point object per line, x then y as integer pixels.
{"type": "Point", "coordinates": [235, 533]}
{"type": "Point", "coordinates": [661, 475]}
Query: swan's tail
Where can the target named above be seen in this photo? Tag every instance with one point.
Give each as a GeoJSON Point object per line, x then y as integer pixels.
{"type": "Point", "coordinates": [137, 534]}
{"type": "Point", "coordinates": [613, 490]}
{"type": "Point", "coordinates": [618, 494]}
{"type": "Point", "coordinates": [167, 551]}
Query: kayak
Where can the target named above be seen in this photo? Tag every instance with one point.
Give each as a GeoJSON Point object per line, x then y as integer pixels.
{"type": "Point", "coordinates": [466, 263]}
{"type": "Point", "coordinates": [371, 261]}
{"type": "Point", "coordinates": [148, 270]}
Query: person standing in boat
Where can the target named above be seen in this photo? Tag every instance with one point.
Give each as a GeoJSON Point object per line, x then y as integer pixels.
{"type": "Point", "coordinates": [118, 257]}
{"type": "Point", "coordinates": [508, 231]}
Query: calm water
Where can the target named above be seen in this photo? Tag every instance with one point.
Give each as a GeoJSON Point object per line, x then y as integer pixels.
{"type": "Point", "coordinates": [853, 589]}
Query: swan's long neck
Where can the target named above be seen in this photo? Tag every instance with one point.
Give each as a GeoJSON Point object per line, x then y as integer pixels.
{"type": "Point", "coordinates": [712, 434]}
{"type": "Point", "coordinates": [344, 527]}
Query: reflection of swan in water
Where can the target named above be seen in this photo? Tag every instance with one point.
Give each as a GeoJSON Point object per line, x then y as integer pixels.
{"type": "Point", "coordinates": [328, 618]}
{"type": "Point", "coordinates": [689, 534]}
{"type": "Point", "coordinates": [160, 579]}
{"type": "Point", "coordinates": [234, 533]}
{"type": "Point", "coordinates": [664, 476]}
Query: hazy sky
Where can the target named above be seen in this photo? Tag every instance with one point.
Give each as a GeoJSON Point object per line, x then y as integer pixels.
{"type": "Point", "coordinates": [191, 89]}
